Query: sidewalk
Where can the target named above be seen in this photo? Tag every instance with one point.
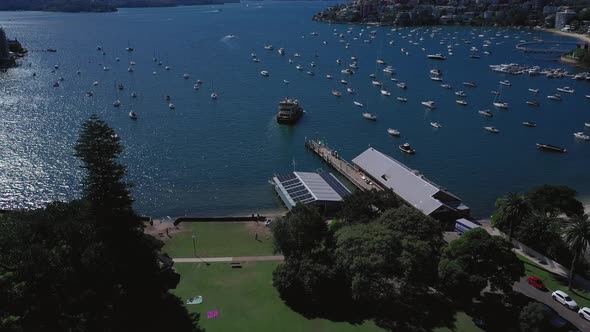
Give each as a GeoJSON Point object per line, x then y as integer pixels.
{"type": "Point", "coordinates": [230, 259]}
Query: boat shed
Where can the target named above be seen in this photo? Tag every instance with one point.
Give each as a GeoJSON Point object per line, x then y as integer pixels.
{"type": "Point", "coordinates": [323, 190]}
{"type": "Point", "coordinates": [411, 186]}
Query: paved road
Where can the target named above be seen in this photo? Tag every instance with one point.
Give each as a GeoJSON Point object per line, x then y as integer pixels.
{"type": "Point", "coordinates": [523, 287]}
{"type": "Point", "coordinates": [230, 259]}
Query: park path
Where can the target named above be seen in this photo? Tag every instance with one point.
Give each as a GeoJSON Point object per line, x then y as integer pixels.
{"type": "Point", "coordinates": [278, 258]}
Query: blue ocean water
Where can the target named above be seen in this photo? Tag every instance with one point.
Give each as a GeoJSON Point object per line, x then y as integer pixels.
{"type": "Point", "coordinates": [214, 157]}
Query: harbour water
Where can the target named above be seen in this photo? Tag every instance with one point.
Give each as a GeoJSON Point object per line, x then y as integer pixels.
{"type": "Point", "coordinates": [214, 157]}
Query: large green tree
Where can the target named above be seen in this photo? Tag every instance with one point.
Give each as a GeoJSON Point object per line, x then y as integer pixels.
{"type": "Point", "coordinates": [552, 200]}
{"type": "Point", "coordinates": [577, 237]}
{"type": "Point", "coordinates": [362, 207]}
{"type": "Point", "coordinates": [511, 210]}
{"type": "Point", "coordinates": [532, 318]}
{"type": "Point", "coordinates": [86, 265]}
{"type": "Point", "coordinates": [476, 261]}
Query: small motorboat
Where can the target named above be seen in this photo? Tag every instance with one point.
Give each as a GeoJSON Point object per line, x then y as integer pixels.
{"type": "Point", "coordinates": [500, 104]}
{"type": "Point", "coordinates": [336, 93]}
{"type": "Point", "coordinates": [171, 106]}
{"type": "Point", "coordinates": [534, 90]}
{"type": "Point", "coordinates": [133, 115]}
{"type": "Point", "coordinates": [436, 125]}
{"type": "Point", "coordinates": [350, 90]}
{"type": "Point", "coordinates": [385, 93]}
{"type": "Point", "coordinates": [556, 97]}
{"type": "Point", "coordinates": [393, 132]}
{"type": "Point", "coordinates": [429, 104]}
{"type": "Point", "coordinates": [486, 113]}
{"type": "Point", "coordinates": [186, 76]}
{"type": "Point", "coordinates": [491, 129]}
{"type": "Point", "coordinates": [407, 148]}
{"type": "Point", "coordinates": [551, 148]}
{"type": "Point", "coordinates": [470, 84]}
{"type": "Point", "coordinates": [532, 103]}
{"type": "Point", "coordinates": [529, 124]}
{"type": "Point", "coordinates": [286, 82]}
{"type": "Point", "coordinates": [587, 124]}
{"type": "Point", "coordinates": [446, 86]}
{"type": "Point", "coordinates": [436, 78]}
{"type": "Point", "coordinates": [370, 116]}
{"type": "Point", "coordinates": [344, 81]}
{"type": "Point", "coordinates": [328, 76]}
{"type": "Point", "coordinates": [299, 67]}
{"type": "Point", "coordinates": [196, 87]}
{"type": "Point", "coordinates": [310, 73]}
{"type": "Point", "coordinates": [133, 94]}
{"type": "Point", "coordinates": [56, 84]}
{"type": "Point", "coordinates": [461, 102]}
{"type": "Point", "coordinates": [402, 99]}
{"type": "Point", "coordinates": [582, 136]}
{"type": "Point", "coordinates": [358, 104]}
{"type": "Point", "coordinates": [402, 85]}
{"type": "Point", "coordinates": [117, 103]}
{"type": "Point", "coordinates": [377, 83]}
{"type": "Point", "coordinates": [264, 73]}
{"type": "Point", "coordinates": [506, 83]}
{"type": "Point", "coordinates": [461, 93]}
{"type": "Point", "coordinates": [214, 95]}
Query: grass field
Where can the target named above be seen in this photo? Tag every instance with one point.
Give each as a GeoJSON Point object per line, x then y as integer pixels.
{"type": "Point", "coordinates": [247, 301]}
{"type": "Point", "coordinates": [221, 239]}
{"type": "Point", "coordinates": [554, 282]}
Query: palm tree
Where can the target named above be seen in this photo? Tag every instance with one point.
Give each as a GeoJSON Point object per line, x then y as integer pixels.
{"type": "Point", "coordinates": [577, 237]}
{"type": "Point", "coordinates": [511, 210]}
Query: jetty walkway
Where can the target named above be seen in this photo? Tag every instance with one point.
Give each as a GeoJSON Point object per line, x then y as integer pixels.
{"type": "Point", "coordinates": [352, 173]}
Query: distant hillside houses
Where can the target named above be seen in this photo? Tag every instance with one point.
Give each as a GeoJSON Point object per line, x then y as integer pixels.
{"type": "Point", "coordinates": [473, 12]}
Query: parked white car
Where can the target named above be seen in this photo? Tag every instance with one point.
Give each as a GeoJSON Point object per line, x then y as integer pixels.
{"type": "Point", "coordinates": [564, 299]}
{"type": "Point", "coordinates": [584, 313]}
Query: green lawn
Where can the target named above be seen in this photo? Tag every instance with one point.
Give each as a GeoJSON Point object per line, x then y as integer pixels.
{"type": "Point", "coordinates": [221, 239]}
{"type": "Point", "coordinates": [554, 282]}
{"type": "Point", "coordinates": [247, 301]}
{"type": "Point", "coordinates": [463, 323]}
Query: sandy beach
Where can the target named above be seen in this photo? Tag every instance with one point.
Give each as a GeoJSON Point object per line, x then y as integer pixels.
{"type": "Point", "coordinates": [579, 36]}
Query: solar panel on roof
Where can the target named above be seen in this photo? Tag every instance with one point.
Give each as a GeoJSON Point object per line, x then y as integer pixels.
{"type": "Point", "coordinates": [335, 184]}
{"type": "Point", "coordinates": [287, 177]}
{"type": "Point", "coordinates": [301, 198]}
{"type": "Point", "coordinates": [290, 182]}
{"type": "Point", "coordinates": [296, 189]}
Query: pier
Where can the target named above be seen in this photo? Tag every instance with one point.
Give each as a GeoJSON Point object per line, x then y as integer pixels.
{"type": "Point", "coordinates": [350, 172]}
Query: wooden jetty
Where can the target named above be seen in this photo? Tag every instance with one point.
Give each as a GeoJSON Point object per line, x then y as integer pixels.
{"type": "Point", "coordinates": [350, 172]}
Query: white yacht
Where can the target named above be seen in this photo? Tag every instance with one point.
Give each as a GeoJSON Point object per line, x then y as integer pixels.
{"type": "Point", "coordinates": [380, 61]}
{"type": "Point", "coordinates": [358, 104]}
{"type": "Point", "coordinates": [347, 71]}
{"type": "Point", "coordinates": [486, 113]}
{"type": "Point", "coordinates": [281, 51]}
{"type": "Point", "coordinates": [344, 81]}
{"type": "Point", "coordinates": [436, 125]}
{"type": "Point", "coordinates": [389, 70]}
{"type": "Point", "coordinates": [264, 73]}
{"type": "Point", "coordinates": [186, 76]}
{"type": "Point", "coordinates": [214, 95]}
{"type": "Point", "coordinates": [437, 56]}
{"type": "Point", "coordinates": [461, 102]}
{"type": "Point", "coordinates": [582, 136]}
{"type": "Point", "coordinates": [268, 47]}
{"type": "Point", "coordinates": [376, 83]}
{"type": "Point", "coordinates": [196, 87]}
{"type": "Point", "coordinates": [429, 104]}
{"type": "Point", "coordinates": [402, 85]}
{"type": "Point", "coordinates": [446, 86]}
{"type": "Point", "coordinates": [350, 90]}
{"type": "Point", "coordinates": [587, 124]}
{"type": "Point", "coordinates": [566, 89]}
{"type": "Point", "coordinates": [370, 116]}
{"type": "Point", "coordinates": [393, 132]}
{"type": "Point", "coordinates": [336, 93]}
{"type": "Point", "coordinates": [436, 78]}
{"type": "Point", "coordinates": [534, 90]}
{"type": "Point", "coordinates": [328, 76]}
{"type": "Point", "coordinates": [133, 115]}
{"type": "Point", "coordinates": [385, 92]}
{"type": "Point", "coordinates": [491, 129]}
{"type": "Point", "coordinates": [506, 83]}
{"type": "Point", "coordinates": [171, 106]}
{"type": "Point", "coordinates": [299, 67]}
{"type": "Point", "coordinates": [554, 97]}
{"type": "Point", "coordinates": [402, 99]}
{"type": "Point", "coordinates": [461, 93]}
